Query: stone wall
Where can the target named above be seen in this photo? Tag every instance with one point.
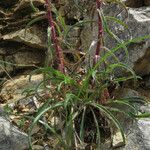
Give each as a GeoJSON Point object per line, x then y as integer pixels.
{"type": "Point", "coordinates": [24, 50]}
{"type": "Point", "coordinates": [28, 50]}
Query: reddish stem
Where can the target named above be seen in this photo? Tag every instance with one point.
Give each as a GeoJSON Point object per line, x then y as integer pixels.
{"type": "Point", "coordinates": [59, 53]}
{"type": "Point", "coordinates": [100, 32]}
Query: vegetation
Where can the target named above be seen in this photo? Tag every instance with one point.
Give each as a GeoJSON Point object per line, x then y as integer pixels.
{"type": "Point", "coordinates": [83, 100]}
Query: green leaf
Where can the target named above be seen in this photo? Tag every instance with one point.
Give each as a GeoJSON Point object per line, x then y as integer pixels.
{"type": "Point", "coordinates": [82, 124]}
{"type": "Point", "coordinates": [42, 110]}
{"type": "Point", "coordinates": [144, 115]}
{"type": "Point", "coordinates": [98, 138]}
{"type": "Point", "coordinates": [117, 21]}
{"type": "Point", "coordinates": [33, 7]}
{"type": "Point", "coordinates": [125, 103]}
{"type": "Point", "coordinates": [111, 117]}
{"type": "Point", "coordinates": [112, 34]}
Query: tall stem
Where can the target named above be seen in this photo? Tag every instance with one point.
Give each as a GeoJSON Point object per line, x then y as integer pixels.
{"type": "Point", "coordinates": [59, 53]}
{"type": "Point", "coordinates": [100, 32]}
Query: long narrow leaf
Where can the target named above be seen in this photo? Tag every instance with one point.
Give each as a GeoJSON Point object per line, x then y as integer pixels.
{"type": "Point", "coordinates": [82, 124]}
{"type": "Point", "coordinates": [98, 138]}
{"type": "Point", "coordinates": [38, 116]}
{"type": "Point", "coordinates": [111, 117]}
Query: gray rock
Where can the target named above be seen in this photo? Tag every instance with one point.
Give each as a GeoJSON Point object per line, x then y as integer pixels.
{"type": "Point", "coordinates": [10, 137]}
{"type": "Point", "coordinates": [137, 131]}
{"type": "Point", "coordinates": [138, 22]}
{"type": "Point", "coordinates": [138, 134]}
{"type": "Point", "coordinates": [138, 25]}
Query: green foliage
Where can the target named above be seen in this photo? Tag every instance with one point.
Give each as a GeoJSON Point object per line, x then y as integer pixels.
{"type": "Point", "coordinates": [7, 109]}
{"type": "Point", "coordinates": [75, 96]}
{"type": "Point", "coordinates": [74, 100]}
{"type": "Point", "coordinates": [33, 7]}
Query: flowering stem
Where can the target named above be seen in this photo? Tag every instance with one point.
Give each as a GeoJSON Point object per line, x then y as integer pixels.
{"type": "Point", "coordinates": [59, 53]}
{"type": "Point", "coordinates": [100, 32]}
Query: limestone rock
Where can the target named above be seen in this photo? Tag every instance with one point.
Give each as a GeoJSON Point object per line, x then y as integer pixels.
{"type": "Point", "coordinates": [138, 22]}
{"type": "Point", "coordinates": [138, 26]}
{"type": "Point", "coordinates": [138, 134]}
{"type": "Point", "coordinates": [27, 59]}
{"type": "Point", "coordinates": [17, 49]}
{"type": "Point", "coordinates": [12, 89]}
{"type": "Point", "coordinates": [117, 140]}
{"type": "Point", "coordinates": [137, 131]}
{"type": "Point", "coordinates": [10, 137]}
{"type": "Point", "coordinates": [22, 50]}
{"type": "Point", "coordinates": [31, 37]}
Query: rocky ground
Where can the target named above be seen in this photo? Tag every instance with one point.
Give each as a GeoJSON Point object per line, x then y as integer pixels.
{"type": "Point", "coordinates": [25, 49]}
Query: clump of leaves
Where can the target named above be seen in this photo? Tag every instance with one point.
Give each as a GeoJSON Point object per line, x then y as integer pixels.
{"type": "Point", "coordinates": [87, 95]}
{"type": "Point", "coordinates": [73, 99]}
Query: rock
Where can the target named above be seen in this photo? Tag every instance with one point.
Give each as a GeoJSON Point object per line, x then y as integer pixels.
{"type": "Point", "coordinates": [37, 147]}
{"type": "Point", "coordinates": [138, 134]}
{"type": "Point", "coordinates": [32, 37]}
{"type": "Point", "coordinates": [141, 66]}
{"type": "Point", "coordinates": [134, 139]}
{"type": "Point", "coordinates": [137, 131]}
{"type": "Point", "coordinates": [19, 61]}
{"type": "Point", "coordinates": [7, 3]}
{"type": "Point", "coordinates": [137, 3]}
{"type": "Point", "coordinates": [10, 137]}
{"type": "Point", "coordinates": [147, 2]}
{"type": "Point", "coordinates": [22, 51]}
{"type": "Point", "coordinates": [138, 26]}
{"type": "Point", "coordinates": [134, 3]}
{"type": "Point", "coordinates": [25, 9]}
{"type": "Point", "coordinates": [4, 68]}
{"type": "Point", "coordinates": [23, 4]}
{"type": "Point", "coordinates": [2, 13]}
{"type": "Point", "coordinates": [26, 59]}
{"type": "Point", "coordinates": [147, 82]}
{"type": "Point", "coordinates": [117, 140]}
{"type": "Point", "coordinates": [126, 93]}
{"type": "Point", "coordinates": [144, 127]}
{"type": "Point", "coordinates": [56, 122]}
{"type": "Point", "coordinates": [12, 89]}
